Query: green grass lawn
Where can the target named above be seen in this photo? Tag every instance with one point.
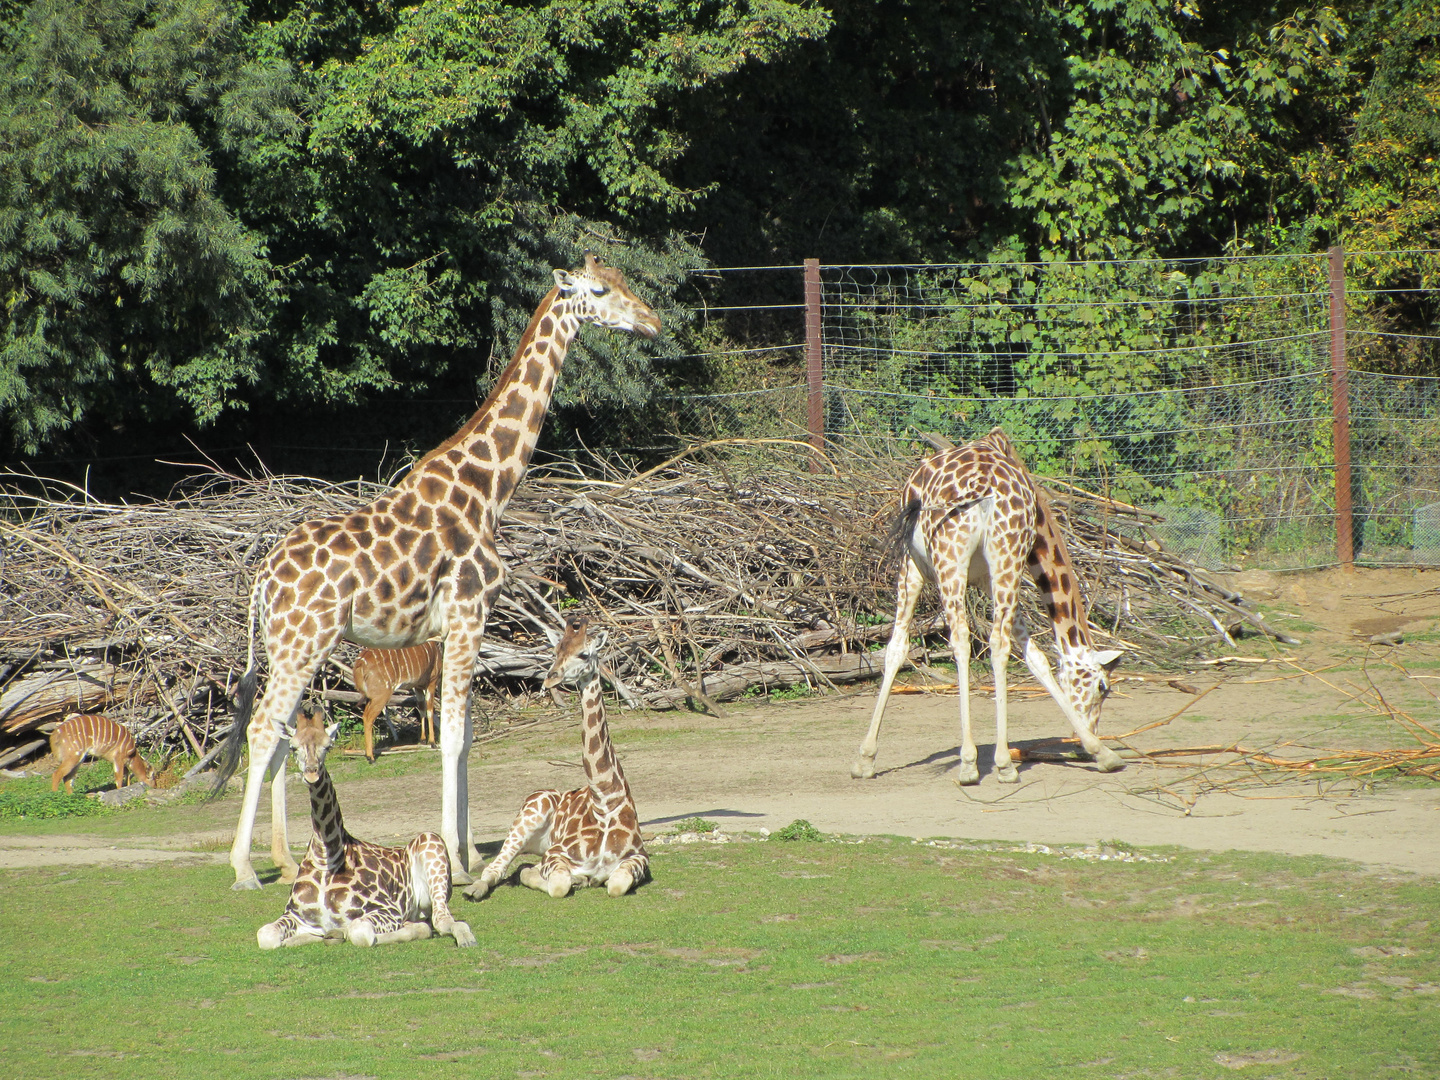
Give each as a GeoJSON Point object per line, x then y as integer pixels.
{"type": "Point", "coordinates": [883, 958]}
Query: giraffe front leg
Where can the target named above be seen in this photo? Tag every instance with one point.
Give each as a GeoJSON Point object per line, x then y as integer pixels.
{"type": "Point", "coordinates": [287, 930]}
{"type": "Point", "coordinates": [279, 822]}
{"type": "Point", "coordinates": [461, 647]}
{"type": "Point", "coordinates": [554, 875]}
{"type": "Point", "coordinates": [430, 872]}
{"type": "Point", "coordinates": [245, 876]}
{"type": "Point", "coordinates": [912, 580]}
{"type": "Point", "coordinates": [530, 832]}
{"type": "Point", "coordinates": [628, 874]}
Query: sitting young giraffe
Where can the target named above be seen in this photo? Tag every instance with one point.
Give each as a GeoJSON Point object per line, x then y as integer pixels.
{"type": "Point", "coordinates": [589, 836]}
{"type": "Point", "coordinates": [369, 894]}
{"type": "Point", "coordinates": [973, 515]}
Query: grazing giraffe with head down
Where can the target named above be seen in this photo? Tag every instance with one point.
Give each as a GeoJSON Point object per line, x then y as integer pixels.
{"type": "Point", "coordinates": [973, 515]}
{"type": "Point", "coordinates": [589, 836]}
{"type": "Point", "coordinates": [368, 894]}
{"type": "Point", "coordinates": [416, 563]}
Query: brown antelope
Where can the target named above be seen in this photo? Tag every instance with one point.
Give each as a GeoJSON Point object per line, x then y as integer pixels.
{"type": "Point", "coordinates": [100, 737]}
{"type": "Point", "coordinates": [380, 672]}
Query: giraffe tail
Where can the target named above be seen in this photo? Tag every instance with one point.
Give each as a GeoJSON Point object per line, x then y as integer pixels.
{"type": "Point", "coordinates": [897, 539]}
{"type": "Point", "coordinates": [229, 759]}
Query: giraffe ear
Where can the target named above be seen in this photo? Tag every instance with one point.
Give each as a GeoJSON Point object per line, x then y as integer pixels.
{"type": "Point", "coordinates": [332, 731]}
{"type": "Point", "coordinates": [565, 281]}
{"type": "Point", "coordinates": [1108, 658]}
{"type": "Point", "coordinates": [598, 642]}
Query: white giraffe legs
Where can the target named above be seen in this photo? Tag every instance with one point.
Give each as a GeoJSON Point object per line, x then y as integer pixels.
{"type": "Point", "coordinates": [461, 647]}
{"type": "Point", "coordinates": [912, 580]}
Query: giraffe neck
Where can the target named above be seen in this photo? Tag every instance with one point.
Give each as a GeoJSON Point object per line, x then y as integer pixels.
{"type": "Point", "coordinates": [602, 767]}
{"type": "Point", "coordinates": [326, 819]}
{"type": "Point", "coordinates": [489, 454]}
{"type": "Point", "coordinates": [1054, 575]}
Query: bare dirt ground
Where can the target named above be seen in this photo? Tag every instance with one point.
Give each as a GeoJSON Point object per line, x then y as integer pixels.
{"type": "Point", "coordinates": [764, 765]}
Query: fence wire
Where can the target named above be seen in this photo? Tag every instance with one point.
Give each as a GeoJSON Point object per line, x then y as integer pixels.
{"type": "Point", "coordinates": [1201, 389]}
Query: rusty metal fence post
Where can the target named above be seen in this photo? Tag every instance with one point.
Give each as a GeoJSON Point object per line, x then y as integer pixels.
{"type": "Point", "coordinates": [814, 359]}
{"type": "Point", "coordinates": [1340, 404]}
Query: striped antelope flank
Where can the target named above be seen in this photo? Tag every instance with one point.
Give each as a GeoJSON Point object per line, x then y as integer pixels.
{"type": "Point", "coordinates": [974, 516]}
{"type": "Point", "coordinates": [365, 893]}
{"type": "Point", "coordinates": [100, 737]}
{"type": "Point", "coordinates": [380, 672]}
{"type": "Point", "coordinates": [589, 836]}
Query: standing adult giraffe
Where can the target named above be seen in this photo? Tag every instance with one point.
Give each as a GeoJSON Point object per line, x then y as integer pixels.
{"type": "Point", "coordinates": [418, 562]}
{"type": "Point", "coordinates": [973, 516]}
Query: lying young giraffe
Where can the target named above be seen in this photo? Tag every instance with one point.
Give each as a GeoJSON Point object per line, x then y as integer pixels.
{"type": "Point", "coordinates": [380, 672]}
{"type": "Point", "coordinates": [368, 894]}
{"type": "Point", "coordinates": [589, 836]}
{"type": "Point", "coordinates": [100, 737]}
{"type": "Point", "coordinates": [973, 515]}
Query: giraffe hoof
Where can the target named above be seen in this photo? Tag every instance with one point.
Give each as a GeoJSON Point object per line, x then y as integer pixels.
{"type": "Point", "coordinates": [479, 890]}
{"type": "Point", "coordinates": [464, 936]}
{"type": "Point", "coordinates": [863, 769]}
{"type": "Point", "coordinates": [1108, 760]}
{"type": "Point", "coordinates": [619, 883]}
{"type": "Point", "coordinates": [1008, 776]}
{"type": "Point", "coordinates": [969, 773]}
{"type": "Point", "coordinates": [245, 884]}
{"type": "Point", "coordinates": [459, 876]}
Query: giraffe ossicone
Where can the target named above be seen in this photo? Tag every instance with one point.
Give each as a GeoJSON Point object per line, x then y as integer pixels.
{"type": "Point", "coordinates": [589, 836]}
{"type": "Point", "coordinates": [419, 562]}
{"type": "Point", "coordinates": [365, 893]}
{"type": "Point", "coordinates": [973, 515]}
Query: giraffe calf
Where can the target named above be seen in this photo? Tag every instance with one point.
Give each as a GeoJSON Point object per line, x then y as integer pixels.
{"type": "Point", "coordinates": [363, 892]}
{"type": "Point", "coordinates": [100, 737]}
{"type": "Point", "coordinates": [589, 836]}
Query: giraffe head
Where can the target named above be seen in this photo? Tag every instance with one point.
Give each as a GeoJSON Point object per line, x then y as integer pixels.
{"type": "Point", "coordinates": [311, 740]}
{"type": "Point", "coordinates": [1085, 674]}
{"type": "Point", "coordinates": [576, 657]}
{"type": "Point", "coordinates": [597, 293]}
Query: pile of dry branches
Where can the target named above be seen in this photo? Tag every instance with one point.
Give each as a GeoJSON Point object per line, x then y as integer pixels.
{"type": "Point", "coordinates": [727, 569]}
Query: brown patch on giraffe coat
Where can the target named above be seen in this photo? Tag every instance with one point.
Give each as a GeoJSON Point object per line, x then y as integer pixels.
{"type": "Point", "coordinates": [506, 439]}
{"type": "Point", "coordinates": [425, 550]}
{"type": "Point", "coordinates": [431, 488]}
{"type": "Point", "coordinates": [546, 327]}
{"type": "Point", "coordinates": [534, 370]}
{"type": "Point", "coordinates": [286, 573]}
{"type": "Point", "coordinates": [514, 407]}
{"type": "Point", "coordinates": [385, 554]}
{"type": "Point", "coordinates": [467, 579]}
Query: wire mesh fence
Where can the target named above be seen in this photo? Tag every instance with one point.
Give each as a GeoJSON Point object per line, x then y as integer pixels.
{"type": "Point", "coordinates": [1202, 389]}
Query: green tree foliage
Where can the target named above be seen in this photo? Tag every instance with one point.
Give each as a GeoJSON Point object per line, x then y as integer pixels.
{"type": "Point", "coordinates": [131, 288]}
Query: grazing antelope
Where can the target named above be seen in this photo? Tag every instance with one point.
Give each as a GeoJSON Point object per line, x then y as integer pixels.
{"type": "Point", "coordinates": [366, 893]}
{"type": "Point", "coordinates": [100, 737]}
{"type": "Point", "coordinates": [589, 836]}
{"type": "Point", "coordinates": [380, 672]}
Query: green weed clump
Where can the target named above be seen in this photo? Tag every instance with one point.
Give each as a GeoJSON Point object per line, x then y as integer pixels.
{"type": "Point", "coordinates": [799, 829]}
{"type": "Point", "coordinates": [34, 800]}
{"type": "Point", "coordinates": [695, 824]}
